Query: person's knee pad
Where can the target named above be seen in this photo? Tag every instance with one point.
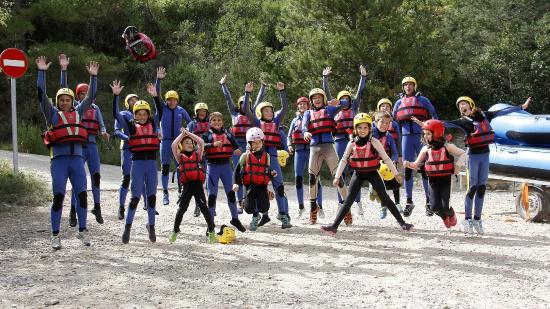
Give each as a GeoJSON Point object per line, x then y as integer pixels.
{"type": "Point", "coordinates": [57, 203]}
{"type": "Point", "coordinates": [151, 201]}
{"type": "Point", "coordinates": [211, 201]}
{"type": "Point", "coordinates": [281, 191]}
{"type": "Point", "coordinates": [472, 192]}
{"type": "Point", "coordinates": [83, 199]}
{"type": "Point", "coordinates": [134, 201]}
{"type": "Point", "coordinates": [408, 173]}
{"type": "Point", "coordinates": [126, 181]}
{"type": "Point", "coordinates": [299, 182]}
{"type": "Point", "coordinates": [231, 197]}
{"type": "Point", "coordinates": [96, 179]}
{"type": "Point", "coordinates": [165, 169]}
{"type": "Point", "coordinates": [481, 191]}
{"type": "Point", "coordinates": [312, 179]}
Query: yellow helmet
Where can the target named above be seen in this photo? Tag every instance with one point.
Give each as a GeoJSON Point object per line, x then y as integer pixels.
{"type": "Point", "coordinates": [139, 105]}
{"type": "Point", "coordinates": [385, 172]}
{"type": "Point", "coordinates": [261, 106]}
{"type": "Point", "coordinates": [200, 105]}
{"type": "Point", "coordinates": [64, 91]}
{"type": "Point", "coordinates": [343, 93]}
{"type": "Point", "coordinates": [226, 235]}
{"type": "Point", "coordinates": [409, 79]}
{"type": "Point", "coordinates": [241, 100]}
{"type": "Point", "coordinates": [282, 157]}
{"type": "Point", "coordinates": [383, 101]}
{"type": "Point", "coordinates": [128, 97]}
{"type": "Point", "coordinates": [467, 99]}
{"type": "Point", "coordinates": [318, 91]}
{"type": "Point", "coordinates": [362, 118]}
{"type": "Point", "coordinates": [171, 95]}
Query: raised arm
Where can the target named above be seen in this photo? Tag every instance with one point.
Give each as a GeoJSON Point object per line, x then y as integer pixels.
{"type": "Point", "coordinates": [116, 87]}
{"type": "Point", "coordinates": [45, 104]}
{"type": "Point", "coordinates": [326, 88]}
{"type": "Point", "coordinates": [227, 95]}
{"type": "Point", "coordinates": [357, 100]}
{"type": "Point", "coordinates": [161, 74]}
{"type": "Point", "coordinates": [152, 90]}
{"type": "Point", "coordinates": [280, 115]}
{"type": "Point", "coordinates": [63, 63]}
{"type": "Point", "coordinates": [259, 98]}
{"type": "Point", "coordinates": [246, 109]}
{"type": "Point", "coordinates": [93, 69]}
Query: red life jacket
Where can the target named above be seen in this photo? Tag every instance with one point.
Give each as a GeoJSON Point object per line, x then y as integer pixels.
{"type": "Point", "coordinates": [271, 132]}
{"type": "Point", "coordinates": [394, 133]}
{"type": "Point", "coordinates": [89, 120]}
{"type": "Point", "coordinates": [67, 129]}
{"type": "Point", "coordinates": [190, 168]}
{"type": "Point", "coordinates": [483, 134]}
{"type": "Point", "coordinates": [239, 129]}
{"type": "Point", "coordinates": [344, 121]}
{"type": "Point", "coordinates": [384, 141]}
{"type": "Point", "coordinates": [200, 127]}
{"type": "Point", "coordinates": [320, 122]}
{"type": "Point", "coordinates": [297, 135]}
{"type": "Point", "coordinates": [439, 163]}
{"type": "Point", "coordinates": [144, 138]}
{"type": "Point", "coordinates": [364, 158]}
{"type": "Point", "coordinates": [256, 172]}
{"type": "Point", "coordinates": [222, 152]}
{"type": "Point", "coordinates": [410, 106]}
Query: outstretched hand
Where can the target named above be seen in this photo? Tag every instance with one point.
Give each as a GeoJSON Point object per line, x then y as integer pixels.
{"type": "Point", "coordinates": [280, 86]}
{"type": "Point", "coordinates": [417, 121]}
{"type": "Point", "coordinates": [222, 81]}
{"type": "Point", "coordinates": [63, 61]}
{"type": "Point", "coordinates": [327, 71]}
{"type": "Point", "coordinates": [363, 70]}
{"type": "Point", "coordinates": [116, 87]}
{"type": "Point", "coordinates": [333, 102]}
{"type": "Point", "coordinates": [93, 68]}
{"type": "Point", "coordinates": [249, 87]}
{"type": "Point", "coordinates": [41, 63]}
{"type": "Point", "coordinates": [526, 104]}
{"type": "Point", "coordinates": [161, 72]}
{"type": "Point", "coordinates": [152, 90]}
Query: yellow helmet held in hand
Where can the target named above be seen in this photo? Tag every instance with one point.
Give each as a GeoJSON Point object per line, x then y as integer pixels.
{"type": "Point", "coordinates": [172, 94]}
{"type": "Point", "coordinates": [226, 235]}
{"type": "Point", "coordinates": [343, 93]}
{"type": "Point", "coordinates": [200, 105]}
{"type": "Point", "coordinates": [467, 99]}
{"type": "Point", "coordinates": [139, 105]}
{"type": "Point", "coordinates": [383, 101]}
{"type": "Point", "coordinates": [128, 97]}
{"type": "Point", "coordinates": [63, 91]}
{"type": "Point", "coordinates": [385, 172]}
{"type": "Point", "coordinates": [317, 91]}
{"type": "Point", "coordinates": [262, 106]}
{"type": "Point", "coordinates": [409, 79]}
{"type": "Point", "coordinates": [282, 157]}
{"type": "Point", "coordinates": [362, 118]}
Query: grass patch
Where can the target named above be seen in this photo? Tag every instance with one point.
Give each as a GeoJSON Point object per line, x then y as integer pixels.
{"type": "Point", "coordinates": [22, 188]}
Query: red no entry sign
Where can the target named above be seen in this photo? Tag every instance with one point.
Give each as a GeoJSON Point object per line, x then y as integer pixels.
{"type": "Point", "coordinates": [14, 62]}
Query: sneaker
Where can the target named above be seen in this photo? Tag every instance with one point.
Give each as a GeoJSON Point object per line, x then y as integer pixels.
{"type": "Point", "coordinates": [399, 208]}
{"type": "Point", "coordinates": [96, 211]}
{"type": "Point", "coordinates": [197, 211]}
{"type": "Point", "coordinates": [328, 229]}
{"type": "Point", "coordinates": [348, 218]}
{"type": "Point", "coordinates": [301, 212]}
{"type": "Point", "coordinates": [446, 222]}
{"type": "Point", "coordinates": [237, 223]}
{"type": "Point", "coordinates": [429, 212]}
{"type": "Point", "coordinates": [468, 226]}
{"type": "Point", "coordinates": [212, 237]}
{"type": "Point", "coordinates": [72, 218]}
{"type": "Point", "coordinates": [383, 212]}
{"type": "Point", "coordinates": [152, 234]}
{"type": "Point", "coordinates": [478, 226]}
{"type": "Point", "coordinates": [126, 234]}
{"type": "Point", "coordinates": [165, 199]}
{"type": "Point", "coordinates": [254, 223]}
{"type": "Point", "coordinates": [83, 237]}
{"type": "Point", "coordinates": [265, 219]}
{"type": "Point", "coordinates": [321, 213]}
{"type": "Point", "coordinates": [452, 220]}
{"type": "Point", "coordinates": [407, 227]}
{"type": "Point", "coordinates": [56, 242]}
{"type": "Point", "coordinates": [121, 213]}
{"type": "Point", "coordinates": [173, 237]}
{"type": "Point", "coordinates": [285, 219]}
{"type": "Point", "coordinates": [408, 209]}
{"type": "Point", "coordinates": [313, 215]}
{"type": "Point", "coordinates": [360, 209]}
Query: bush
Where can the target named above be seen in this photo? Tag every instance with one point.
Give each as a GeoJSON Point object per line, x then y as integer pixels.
{"type": "Point", "coordinates": [22, 188]}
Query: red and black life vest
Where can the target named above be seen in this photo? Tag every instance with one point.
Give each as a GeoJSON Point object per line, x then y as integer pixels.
{"type": "Point", "coordinates": [394, 133]}
{"type": "Point", "coordinates": [272, 135]}
{"type": "Point", "coordinates": [241, 126]}
{"type": "Point", "coordinates": [320, 122]}
{"type": "Point", "coordinates": [144, 138]}
{"type": "Point", "coordinates": [364, 158]}
{"type": "Point", "coordinates": [439, 163]}
{"type": "Point", "coordinates": [67, 129]}
{"type": "Point", "coordinates": [190, 168]}
{"type": "Point", "coordinates": [297, 135]}
{"type": "Point", "coordinates": [222, 152]}
{"type": "Point", "coordinates": [483, 134]}
{"type": "Point", "coordinates": [344, 121]}
{"type": "Point", "coordinates": [200, 127]}
{"type": "Point", "coordinates": [383, 138]}
{"type": "Point", "coordinates": [256, 172]}
{"type": "Point", "coordinates": [410, 106]}
{"type": "Point", "coordinates": [89, 120]}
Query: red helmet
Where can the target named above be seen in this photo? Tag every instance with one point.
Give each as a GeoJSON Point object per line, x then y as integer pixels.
{"type": "Point", "coordinates": [140, 46]}
{"type": "Point", "coordinates": [436, 126]}
{"type": "Point", "coordinates": [302, 99]}
{"type": "Point", "coordinates": [81, 88]}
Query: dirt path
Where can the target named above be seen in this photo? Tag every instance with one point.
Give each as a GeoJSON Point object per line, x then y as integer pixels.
{"type": "Point", "coordinates": [369, 264]}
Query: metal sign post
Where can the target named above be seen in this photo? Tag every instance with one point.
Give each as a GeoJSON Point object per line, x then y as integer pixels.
{"type": "Point", "coordinates": [14, 127]}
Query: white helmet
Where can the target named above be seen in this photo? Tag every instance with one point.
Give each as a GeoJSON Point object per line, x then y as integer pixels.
{"type": "Point", "coordinates": [254, 134]}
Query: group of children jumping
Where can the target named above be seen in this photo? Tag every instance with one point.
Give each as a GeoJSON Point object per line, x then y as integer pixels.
{"type": "Point", "coordinates": [357, 147]}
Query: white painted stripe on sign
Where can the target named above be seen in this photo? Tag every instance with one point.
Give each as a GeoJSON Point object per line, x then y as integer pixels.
{"type": "Point", "coordinates": [14, 63]}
